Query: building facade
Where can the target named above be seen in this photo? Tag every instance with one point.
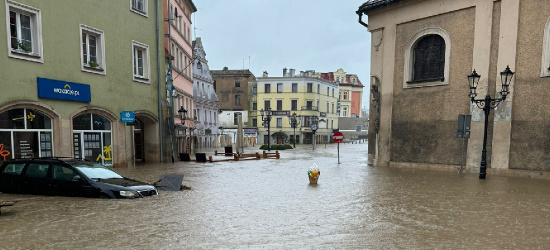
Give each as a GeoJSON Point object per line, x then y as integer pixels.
{"type": "Point", "coordinates": [206, 100]}
{"type": "Point", "coordinates": [232, 88]}
{"type": "Point", "coordinates": [313, 100]}
{"type": "Point", "coordinates": [69, 83]}
{"type": "Point", "coordinates": [179, 77]}
{"type": "Point", "coordinates": [421, 55]}
{"type": "Point", "coordinates": [350, 94]}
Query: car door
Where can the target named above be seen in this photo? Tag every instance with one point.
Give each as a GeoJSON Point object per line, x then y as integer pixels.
{"type": "Point", "coordinates": [35, 178]}
{"type": "Point", "coordinates": [64, 182]}
{"type": "Point", "coordinates": [10, 177]}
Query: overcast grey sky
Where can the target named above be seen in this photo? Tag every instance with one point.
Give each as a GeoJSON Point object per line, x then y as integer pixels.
{"type": "Point", "coordinates": [320, 35]}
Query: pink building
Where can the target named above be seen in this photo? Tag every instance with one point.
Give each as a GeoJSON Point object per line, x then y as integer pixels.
{"type": "Point", "coordinates": [179, 56]}
{"type": "Point", "coordinates": [350, 92]}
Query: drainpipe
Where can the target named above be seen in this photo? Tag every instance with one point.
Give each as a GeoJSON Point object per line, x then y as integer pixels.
{"type": "Point", "coordinates": [361, 21]}
{"type": "Point", "coordinates": [158, 77]}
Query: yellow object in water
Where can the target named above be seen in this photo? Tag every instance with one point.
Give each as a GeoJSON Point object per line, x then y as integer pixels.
{"type": "Point", "coordinates": [314, 173]}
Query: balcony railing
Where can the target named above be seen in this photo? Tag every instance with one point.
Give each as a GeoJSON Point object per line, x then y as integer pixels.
{"type": "Point", "coordinates": [313, 108]}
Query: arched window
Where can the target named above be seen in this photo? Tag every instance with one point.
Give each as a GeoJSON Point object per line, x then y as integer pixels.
{"type": "Point", "coordinates": [25, 133]}
{"type": "Point", "coordinates": [429, 59]}
{"type": "Point", "coordinates": [92, 138]}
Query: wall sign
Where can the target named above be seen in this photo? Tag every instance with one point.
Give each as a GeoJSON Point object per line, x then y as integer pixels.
{"type": "Point", "coordinates": [127, 116]}
{"type": "Point", "coordinates": [61, 90]}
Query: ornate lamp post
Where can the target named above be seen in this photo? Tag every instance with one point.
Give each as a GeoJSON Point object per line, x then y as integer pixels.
{"type": "Point", "coordinates": [294, 121]}
{"type": "Point", "coordinates": [266, 118]}
{"type": "Point", "coordinates": [183, 115]}
{"type": "Point", "coordinates": [487, 104]}
{"type": "Point", "coordinates": [314, 127]}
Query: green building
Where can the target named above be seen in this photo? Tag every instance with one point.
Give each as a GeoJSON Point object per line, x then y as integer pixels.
{"type": "Point", "coordinates": [73, 74]}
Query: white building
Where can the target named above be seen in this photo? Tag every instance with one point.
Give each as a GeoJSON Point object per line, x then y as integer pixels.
{"type": "Point", "coordinates": [206, 100]}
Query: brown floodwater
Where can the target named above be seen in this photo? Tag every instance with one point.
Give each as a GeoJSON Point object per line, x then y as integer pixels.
{"type": "Point", "coordinates": [269, 204]}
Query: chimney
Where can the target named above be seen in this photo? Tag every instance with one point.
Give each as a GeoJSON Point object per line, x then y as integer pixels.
{"type": "Point", "coordinates": [292, 73]}
{"type": "Point", "coordinates": [265, 74]}
{"type": "Point", "coordinates": [284, 72]}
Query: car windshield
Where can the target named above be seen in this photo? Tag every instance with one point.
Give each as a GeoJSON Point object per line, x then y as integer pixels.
{"type": "Point", "coordinates": [96, 171]}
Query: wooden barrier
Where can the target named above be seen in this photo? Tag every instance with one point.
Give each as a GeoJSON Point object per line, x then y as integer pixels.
{"type": "Point", "coordinates": [245, 157]}
{"type": "Point", "coordinates": [226, 154]}
{"type": "Point", "coordinates": [6, 204]}
{"type": "Point", "coordinates": [272, 155]}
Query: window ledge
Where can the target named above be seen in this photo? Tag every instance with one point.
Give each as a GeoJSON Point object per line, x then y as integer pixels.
{"type": "Point", "coordinates": [141, 79]}
{"type": "Point", "coordinates": [97, 70]}
{"type": "Point", "coordinates": [427, 80]}
{"type": "Point", "coordinates": [29, 56]}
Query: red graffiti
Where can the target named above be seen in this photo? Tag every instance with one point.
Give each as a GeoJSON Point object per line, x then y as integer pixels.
{"type": "Point", "coordinates": [3, 152]}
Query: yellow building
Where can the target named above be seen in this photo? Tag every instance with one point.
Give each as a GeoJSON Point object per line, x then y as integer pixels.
{"type": "Point", "coordinates": [312, 99]}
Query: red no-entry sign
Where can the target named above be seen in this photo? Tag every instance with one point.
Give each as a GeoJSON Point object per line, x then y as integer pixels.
{"type": "Point", "coordinates": [337, 137]}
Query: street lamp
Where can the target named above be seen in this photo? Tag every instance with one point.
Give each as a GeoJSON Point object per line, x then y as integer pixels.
{"type": "Point", "coordinates": [266, 118]}
{"type": "Point", "coordinates": [487, 104]}
{"type": "Point", "coordinates": [314, 127]}
{"type": "Point", "coordinates": [294, 121]}
{"type": "Point", "coordinates": [183, 115]}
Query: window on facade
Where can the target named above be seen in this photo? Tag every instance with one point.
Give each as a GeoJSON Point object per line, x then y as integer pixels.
{"type": "Point", "coordinates": [332, 108]}
{"type": "Point", "coordinates": [309, 87]}
{"type": "Point", "coordinates": [429, 59]}
{"type": "Point", "coordinates": [254, 106]}
{"type": "Point", "coordinates": [318, 89]}
{"type": "Point", "coordinates": [327, 108]}
{"type": "Point", "coordinates": [92, 50]}
{"type": "Point", "coordinates": [236, 118]}
{"type": "Point", "coordinates": [238, 100]}
{"type": "Point", "coordinates": [279, 88]}
{"type": "Point", "coordinates": [345, 95]}
{"type": "Point", "coordinates": [237, 83]}
{"type": "Point", "coordinates": [139, 6]}
{"type": "Point", "coordinates": [332, 92]}
{"type": "Point", "coordinates": [279, 122]}
{"type": "Point", "coordinates": [545, 62]}
{"type": "Point", "coordinates": [25, 32]}
{"type": "Point", "coordinates": [309, 105]}
{"type": "Point", "coordinates": [254, 90]}
{"type": "Point", "coordinates": [328, 91]}
{"type": "Point", "coordinates": [345, 112]}
{"type": "Point", "coordinates": [279, 104]}
{"type": "Point", "coordinates": [254, 122]}
{"type": "Point", "coordinates": [141, 62]}
{"type": "Point", "coordinates": [293, 104]}
{"type": "Point", "coordinates": [267, 88]}
{"type": "Point", "coordinates": [267, 104]}
{"type": "Point", "coordinates": [294, 88]}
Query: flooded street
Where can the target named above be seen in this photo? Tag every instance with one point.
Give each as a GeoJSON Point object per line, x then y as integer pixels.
{"type": "Point", "coordinates": [270, 204]}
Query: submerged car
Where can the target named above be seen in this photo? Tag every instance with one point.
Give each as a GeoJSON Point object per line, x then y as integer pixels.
{"type": "Point", "coordinates": [74, 177]}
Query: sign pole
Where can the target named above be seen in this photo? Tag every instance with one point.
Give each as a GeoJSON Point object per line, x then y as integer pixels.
{"type": "Point", "coordinates": [338, 153]}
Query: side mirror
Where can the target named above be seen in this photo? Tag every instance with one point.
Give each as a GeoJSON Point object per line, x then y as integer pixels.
{"type": "Point", "coordinates": [78, 178]}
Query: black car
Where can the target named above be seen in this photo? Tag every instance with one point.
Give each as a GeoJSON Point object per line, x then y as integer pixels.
{"type": "Point", "coordinates": [74, 177]}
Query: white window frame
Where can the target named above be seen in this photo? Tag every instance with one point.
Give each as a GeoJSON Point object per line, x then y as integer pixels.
{"type": "Point", "coordinates": [279, 88]}
{"type": "Point", "coordinates": [36, 53]}
{"type": "Point", "coordinates": [409, 58]}
{"type": "Point", "coordinates": [100, 47]}
{"type": "Point", "coordinates": [545, 61]}
{"type": "Point", "coordinates": [143, 12]}
{"type": "Point", "coordinates": [145, 78]}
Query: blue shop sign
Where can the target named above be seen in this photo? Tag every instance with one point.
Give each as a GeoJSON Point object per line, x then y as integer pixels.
{"type": "Point", "coordinates": [127, 116]}
{"type": "Point", "coordinates": [61, 90]}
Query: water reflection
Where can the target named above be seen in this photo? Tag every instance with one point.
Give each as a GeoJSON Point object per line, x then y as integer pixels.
{"type": "Point", "coordinates": [270, 204]}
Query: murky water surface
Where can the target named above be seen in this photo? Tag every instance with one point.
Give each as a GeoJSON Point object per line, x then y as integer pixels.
{"type": "Point", "coordinates": [269, 204]}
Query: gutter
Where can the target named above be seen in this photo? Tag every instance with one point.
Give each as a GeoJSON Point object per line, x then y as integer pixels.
{"type": "Point", "coordinates": [158, 77]}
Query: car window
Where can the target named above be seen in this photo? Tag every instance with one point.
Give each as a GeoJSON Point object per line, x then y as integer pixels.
{"type": "Point", "coordinates": [97, 171]}
{"type": "Point", "coordinates": [63, 173]}
{"type": "Point", "coordinates": [14, 168]}
{"type": "Point", "coordinates": [37, 170]}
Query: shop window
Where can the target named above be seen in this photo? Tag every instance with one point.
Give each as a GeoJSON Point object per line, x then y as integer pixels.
{"type": "Point", "coordinates": [25, 133]}
{"type": "Point", "coordinates": [92, 138]}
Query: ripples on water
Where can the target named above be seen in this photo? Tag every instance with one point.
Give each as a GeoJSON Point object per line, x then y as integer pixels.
{"type": "Point", "coordinates": [270, 204]}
